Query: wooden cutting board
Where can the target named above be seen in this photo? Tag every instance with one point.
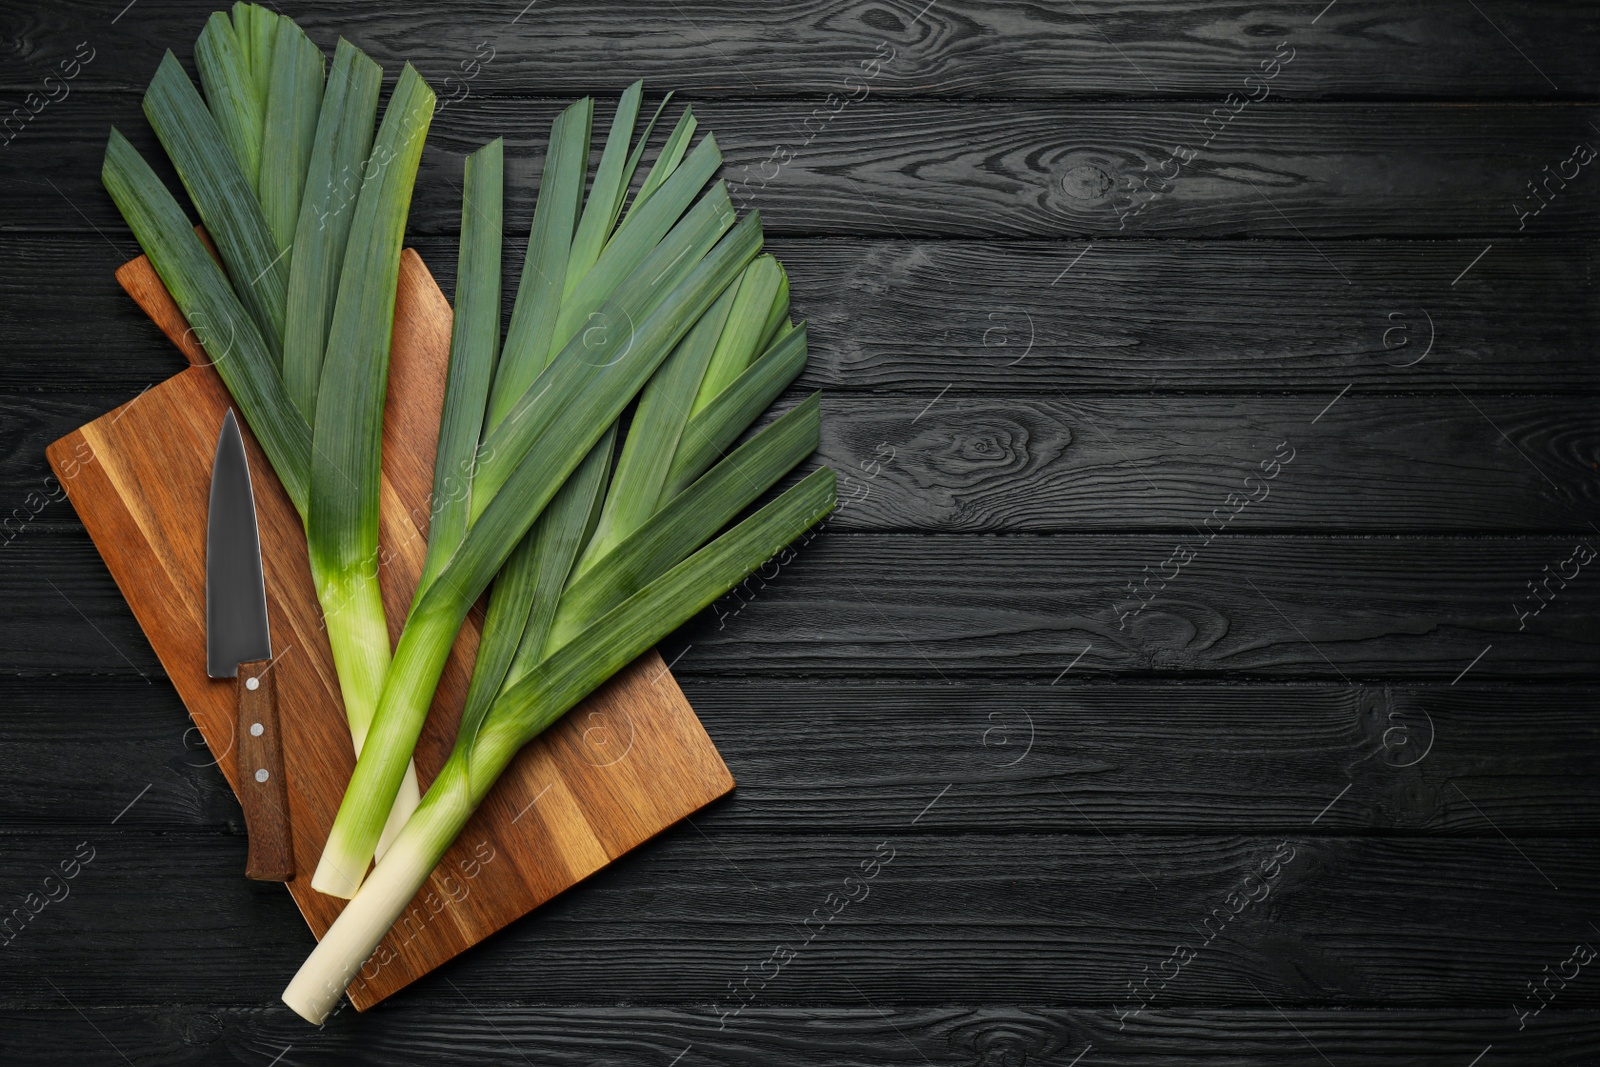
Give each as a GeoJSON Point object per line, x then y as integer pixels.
{"type": "Point", "coordinates": [621, 767]}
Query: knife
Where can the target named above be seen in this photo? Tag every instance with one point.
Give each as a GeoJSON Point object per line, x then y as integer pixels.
{"type": "Point", "coordinates": [239, 645]}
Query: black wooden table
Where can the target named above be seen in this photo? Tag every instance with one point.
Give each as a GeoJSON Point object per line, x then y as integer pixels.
{"type": "Point", "coordinates": [1202, 671]}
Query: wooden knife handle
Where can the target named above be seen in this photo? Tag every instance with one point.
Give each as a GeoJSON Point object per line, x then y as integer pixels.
{"type": "Point", "coordinates": [263, 790]}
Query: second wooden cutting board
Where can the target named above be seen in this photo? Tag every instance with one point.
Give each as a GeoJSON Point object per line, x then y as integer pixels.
{"type": "Point", "coordinates": [621, 767]}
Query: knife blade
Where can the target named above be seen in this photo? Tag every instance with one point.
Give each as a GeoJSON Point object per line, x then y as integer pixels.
{"type": "Point", "coordinates": [239, 645]}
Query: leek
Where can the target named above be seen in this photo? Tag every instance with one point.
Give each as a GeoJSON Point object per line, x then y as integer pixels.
{"type": "Point", "coordinates": [526, 709]}
{"type": "Point", "coordinates": [269, 166]}
{"type": "Point", "coordinates": [524, 595]}
{"type": "Point", "coordinates": [567, 410]}
{"type": "Point", "coordinates": [347, 433]}
{"type": "Point", "coordinates": [474, 350]}
{"type": "Point", "coordinates": [537, 486]}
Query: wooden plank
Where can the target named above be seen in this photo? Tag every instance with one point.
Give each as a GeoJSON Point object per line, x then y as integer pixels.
{"type": "Point", "coordinates": [1391, 608]}
{"type": "Point", "coordinates": [957, 48]}
{"type": "Point", "coordinates": [935, 607]}
{"type": "Point", "coordinates": [1136, 316]}
{"type": "Point", "coordinates": [911, 169]}
{"type": "Point", "coordinates": [136, 735]}
{"type": "Point", "coordinates": [976, 463]}
{"type": "Point", "coordinates": [1128, 757]}
{"type": "Point", "coordinates": [1372, 464]}
{"type": "Point", "coordinates": [1179, 316]}
{"type": "Point", "coordinates": [139, 478]}
{"type": "Point", "coordinates": [849, 756]}
{"type": "Point", "coordinates": [850, 1034]}
{"type": "Point", "coordinates": [1048, 918]}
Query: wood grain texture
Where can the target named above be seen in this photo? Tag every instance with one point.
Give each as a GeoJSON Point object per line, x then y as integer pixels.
{"type": "Point", "coordinates": [262, 784]}
{"type": "Point", "coordinates": [845, 756]}
{"type": "Point", "coordinates": [1001, 317]}
{"type": "Point", "coordinates": [1369, 608]}
{"type": "Point", "coordinates": [1023, 316]}
{"type": "Point", "coordinates": [1067, 918]}
{"type": "Point", "coordinates": [928, 230]}
{"type": "Point", "coordinates": [925, 169]}
{"type": "Point", "coordinates": [138, 479]}
{"type": "Point", "coordinates": [960, 49]}
{"type": "Point", "coordinates": [975, 462]}
{"type": "Point", "coordinates": [1331, 608]}
{"type": "Point", "coordinates": [1160, 759]}
{"type": "Point", "coordinates": [849, 1034]}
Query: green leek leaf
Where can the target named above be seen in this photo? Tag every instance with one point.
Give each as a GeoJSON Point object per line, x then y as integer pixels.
{"type": "Point", "coordinates": [639, 236]}
{"type": "Point", "coordinates": [653, 437]}
{"type": "Point", "coordinates": [342, 144]}
{"type": "Point", "coordinates": [474, 347]}
{"type": "Point", "coordinates": [633, 162]}
{"type": "Point", "coordinates": [575, 400]}
{"type": "Point", "coordinates": [222, 56]}
{"type": "Point", "coordinates": [526, 593]}
{"type": "Point", "coordinates": [628, 630]}
{"type": "Point", "coordinates": [716, 427]}
{"type": "Point", "coordinates": [226, 330]}
{"type": "Point", "coordinates": [528, 588]}
{"type": "Point", "coordinates": [671, 156]}
{"type": "Point", "coordinates": [226, 201]}
{"type": "Point", "coordinates": [614, 330]}
{"type": "Point", "coordinates": [293, 101]}
{"type": "Point", "coordinates": [533, 319]}
{"type": "Point", "coordinates": [688, 521]}
{"type": "Point", "coordinates": [607, 190]}
{"type": "Point", "coordinates": [755, 306]}
{"type": "Point", "coordinates": [263, 49]}
{"type": "Point", "coordinates": [240, 25]}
